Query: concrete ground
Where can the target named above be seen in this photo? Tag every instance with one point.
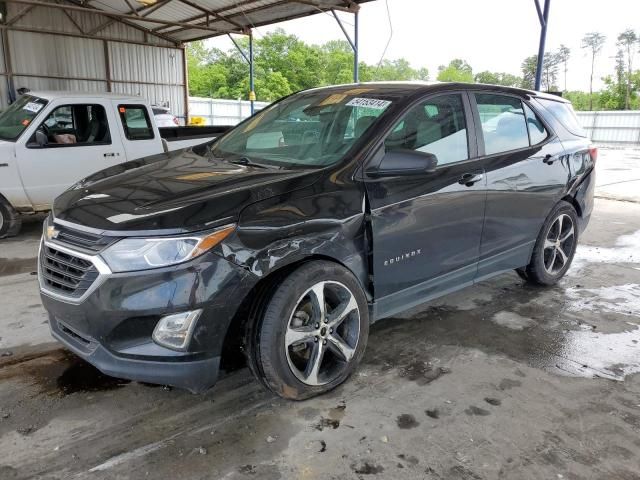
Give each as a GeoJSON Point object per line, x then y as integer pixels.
{"type": "Point", "coordinates": [499, 381]}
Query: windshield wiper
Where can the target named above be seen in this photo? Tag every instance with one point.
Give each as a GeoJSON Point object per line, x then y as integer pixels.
{"type": "Point", "coordinates": [246, 161]}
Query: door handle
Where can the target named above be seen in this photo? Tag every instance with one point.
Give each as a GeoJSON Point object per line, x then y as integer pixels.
{"type": "Point", "coordinates": [111, 154]}
{"type": "Point", "coordinates": [469, 179]}
{"type": "Point", "coordinates": [549, 159]}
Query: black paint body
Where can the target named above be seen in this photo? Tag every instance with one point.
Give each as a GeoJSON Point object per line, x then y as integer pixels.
{"type": "Point", "coordinates": [407, 239]}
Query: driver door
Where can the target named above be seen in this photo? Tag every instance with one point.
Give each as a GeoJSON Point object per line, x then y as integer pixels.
{"type": "Point", "coordinates": [427, 227]}
{"type": "Point", "coordinates": [73, 141]}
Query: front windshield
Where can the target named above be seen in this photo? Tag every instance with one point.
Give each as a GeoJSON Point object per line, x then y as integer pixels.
{"type": "Point", "coordinates": [15, 119]}
{"type": "Point", "coordinates": [310, 129]}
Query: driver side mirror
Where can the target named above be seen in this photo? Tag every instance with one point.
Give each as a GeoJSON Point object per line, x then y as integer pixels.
{"type": "Point", "coordinates": [404, 162]}
{"type": "Point", "coordinates": [38, 139]}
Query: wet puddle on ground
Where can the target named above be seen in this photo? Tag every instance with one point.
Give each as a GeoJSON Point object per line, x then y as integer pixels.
{"type": "Point", "coordinates": [59, 372]}
{"type": "Point", "coordinates": [14, 266]}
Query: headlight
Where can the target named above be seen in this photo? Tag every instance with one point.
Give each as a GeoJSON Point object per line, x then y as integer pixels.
{"type": "Point", "coordinates": [131, 254]}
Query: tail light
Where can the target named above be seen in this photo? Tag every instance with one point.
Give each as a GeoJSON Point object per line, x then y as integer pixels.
{"type": "Point", "coordinates": [593, 152]}
{"type": "Point", "coordinates": [175, 120]}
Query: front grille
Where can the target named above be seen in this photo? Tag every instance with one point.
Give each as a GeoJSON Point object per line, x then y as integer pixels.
{"type": "Point", "coordinates": [83, 240]}
{"type": "Point", "coordinates": [65, 273]}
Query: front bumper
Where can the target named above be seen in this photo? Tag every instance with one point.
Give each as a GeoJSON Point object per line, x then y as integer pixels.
{"type": "Point", "coordinates": [111, 327]}
{"type": "Point", "coordinates": [193, 375]}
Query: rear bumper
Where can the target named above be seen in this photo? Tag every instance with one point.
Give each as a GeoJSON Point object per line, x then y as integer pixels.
{"type": "Point", "coordinates": [584, 196]}
{"type": "Point", "coordinates": [193, 375]}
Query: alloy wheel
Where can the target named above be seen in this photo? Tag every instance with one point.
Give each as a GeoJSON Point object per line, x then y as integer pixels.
{"type": "Point", "coordinates": [322, 333]}
{"type": "Point", "coordinates": [559, 244]}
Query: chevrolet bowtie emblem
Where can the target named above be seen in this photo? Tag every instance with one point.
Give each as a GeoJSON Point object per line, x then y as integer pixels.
{"type": "Point", "coordinates": [52, 232]}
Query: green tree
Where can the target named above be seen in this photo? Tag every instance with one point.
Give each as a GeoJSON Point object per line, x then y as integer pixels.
{"type": "Point", "coordinates": [582, 100]}
{"type": "Point", "coordinates": [498, 78]}
{"type": "Point", "coordinates": [528, 68]}
{"type": "Point", "coordinates": [627, 41]}
{"type": "Point", "coordinates": [563, 55]}
{"type": "Point", "coordinates": [283, 64]}
{"type": "Point", "coordinates": [550, 64]}
{"type": "Point", "coordinates": [458, 70]}
{"type": "Point", "coordinates": [593, 41]}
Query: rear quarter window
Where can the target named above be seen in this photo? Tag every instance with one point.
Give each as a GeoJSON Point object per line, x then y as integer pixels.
{"type": "Point", "coordinates": [563, 112]}
{"type": "Point", "coordinates": [135, 121]}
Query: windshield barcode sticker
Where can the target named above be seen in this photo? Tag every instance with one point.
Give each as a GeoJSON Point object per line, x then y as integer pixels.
{"type": "Point", "coordinates": [369, 103]}
{"type": "Point", "coordinates": [33, 107]}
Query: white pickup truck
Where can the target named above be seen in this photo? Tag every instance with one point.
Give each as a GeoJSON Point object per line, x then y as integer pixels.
{"type": "Point", "coordinates": [50, 140]}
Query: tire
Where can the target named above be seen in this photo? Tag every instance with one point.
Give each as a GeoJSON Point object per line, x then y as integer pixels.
{"type": "Point", "coordinates": [292, 332]}
{"type": "Point", "coordinates": [555, 247]}
{"type": "Point", "coordinates": [10, 220]}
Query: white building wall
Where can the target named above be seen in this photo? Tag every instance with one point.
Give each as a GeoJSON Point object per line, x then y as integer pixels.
{"type": "Point", "coordinates": [74, 58]}
{"type": "Point", "coordinates": [222, 112]}
{"type": "Point", "coordinates": [612, 127]}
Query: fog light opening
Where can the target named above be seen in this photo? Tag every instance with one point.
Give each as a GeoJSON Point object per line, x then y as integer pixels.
{"type": "Point", "coordinates": [174, 331]}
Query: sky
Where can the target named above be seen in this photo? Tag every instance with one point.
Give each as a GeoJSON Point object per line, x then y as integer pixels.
{"type": "Point", "coordinates": [491, 35]}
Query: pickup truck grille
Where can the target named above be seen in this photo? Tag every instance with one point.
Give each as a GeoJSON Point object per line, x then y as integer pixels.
{"type": "Point", "coordinates": [64, 273]}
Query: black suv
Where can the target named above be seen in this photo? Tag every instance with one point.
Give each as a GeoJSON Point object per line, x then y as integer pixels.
{"type": "Point", "coordinates": [293, 232]}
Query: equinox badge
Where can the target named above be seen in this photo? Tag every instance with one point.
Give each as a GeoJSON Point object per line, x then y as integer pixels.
{"type": "Point", "coordinates": [404, 256]}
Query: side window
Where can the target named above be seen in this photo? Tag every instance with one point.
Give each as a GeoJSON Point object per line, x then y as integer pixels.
{"type": "Point", "coordinates": [565, 114]}
{"type": "Point", "coordinates": [537, 132]}
{"type": "Point", "coordinates": [136, 122]}
{"type": "Point", "coordinates": [503, 123]}
{"type": "Point", "coordinates": [434, 126]}
{"type": "Point", "coordinates": [74, 125]}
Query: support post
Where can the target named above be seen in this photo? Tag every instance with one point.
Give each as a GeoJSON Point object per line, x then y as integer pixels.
{"type": "Point", "coordinates": [252, 93]}
{"type": "Point", "coordinates": [249, 60]}
{"type": "Point", "coordinates": [185, 81]}
{"type": "Point", "coordinates": [543, 16]}
{"type": "Point", "coordinates": [107, 65]}
{"type": "Point", "coordinates": [353, 42]}
{"type": "Point", "coordinates": [356, 69]}
{"type": "Point", "coordinates": [8, 65]}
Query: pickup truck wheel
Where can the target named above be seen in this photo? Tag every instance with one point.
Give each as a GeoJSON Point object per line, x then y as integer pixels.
{"type": "Point", "coordinates": [555, 247]}
{"type": "Point", "coordinates": [10, 220]}
{"type": "Point", "coordinates": [313, 331]}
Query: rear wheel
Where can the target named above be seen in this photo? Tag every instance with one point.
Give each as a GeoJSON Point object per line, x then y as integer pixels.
{"type": "Point", "coordinates": [555, 247]}
{"type": "Point", "coordinates": [313, 331]}
{"type": "Point", "coordinates": [10, 220]}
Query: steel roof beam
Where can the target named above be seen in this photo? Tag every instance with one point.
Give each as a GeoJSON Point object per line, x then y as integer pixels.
{"type": "Point", "coordinates": [120, 16]}
{"type": "Point", "coordinates": [206, 11]}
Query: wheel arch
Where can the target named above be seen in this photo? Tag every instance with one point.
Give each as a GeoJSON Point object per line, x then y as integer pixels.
{"type": "Point", "coordinates": [572, 200]}
{"type": "Point", "coordinates": [244, 321]}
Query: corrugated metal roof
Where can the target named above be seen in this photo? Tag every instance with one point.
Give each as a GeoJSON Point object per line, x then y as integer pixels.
{"type": "Point", "coordinates": [186, 20]}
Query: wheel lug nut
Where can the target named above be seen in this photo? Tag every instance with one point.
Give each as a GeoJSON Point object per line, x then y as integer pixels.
{"type": "Point", "coordinates": [324, 342]}
{"type": "Point", "coordinates": [317, 325]}
{"type": "Point", "coordinates": [331, 330]}
{"type": "Point", "coordinates": [315, 339]}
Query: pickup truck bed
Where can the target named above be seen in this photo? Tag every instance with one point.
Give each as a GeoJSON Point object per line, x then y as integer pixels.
{"type": "Point", "coordinates": [176, 137]}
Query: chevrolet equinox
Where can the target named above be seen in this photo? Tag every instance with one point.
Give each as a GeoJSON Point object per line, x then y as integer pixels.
{"type": "Point", "coordinates": [294, 231]}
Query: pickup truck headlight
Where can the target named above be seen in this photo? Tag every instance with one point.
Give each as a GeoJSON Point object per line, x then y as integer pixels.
{"type": "Point", "coordinates": [131, 254]}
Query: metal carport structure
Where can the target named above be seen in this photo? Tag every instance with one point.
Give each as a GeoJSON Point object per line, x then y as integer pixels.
{"type": "Point", "coordinates": [137, 46]}
{"type": "Point", "coordinates": [132, 46]}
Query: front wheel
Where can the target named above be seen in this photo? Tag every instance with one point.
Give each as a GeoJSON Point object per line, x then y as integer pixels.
{"type": "Point", "coordinates": [10, 220]}
{"type": "Point", "coordinates": [313, 331]}
{"type": "Point", "coordinates": [555, 247]}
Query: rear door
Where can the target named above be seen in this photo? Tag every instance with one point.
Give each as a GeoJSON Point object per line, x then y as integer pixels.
{"type": "Point", "coordinates": [526, 175]}
{"type": "Point", "coordinates": [75, 140]}
{"type": "Point", "coordinates": [426, 228]}
{"type": "Point", "coordinates": [139, 133]}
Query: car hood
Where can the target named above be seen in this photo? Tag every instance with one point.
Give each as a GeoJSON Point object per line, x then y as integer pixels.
{"type": "Point", "coordinates": [176, 192]}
